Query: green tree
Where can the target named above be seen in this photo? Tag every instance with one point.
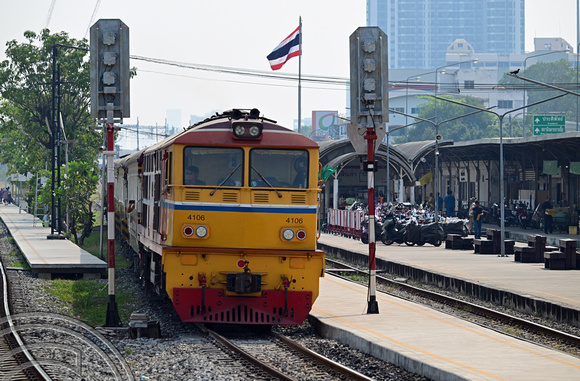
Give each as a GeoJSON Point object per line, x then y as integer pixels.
{"type": "Point", "coordinates": [26, 78]}
{"type": "Point", "coordinates": [78, 183]}
{"type": "Point", "coordinates": [477, 126]}
{"type": "Point", "coordinates": [560, 74]}
{"type": "Point", "coordinates": [26, 102]}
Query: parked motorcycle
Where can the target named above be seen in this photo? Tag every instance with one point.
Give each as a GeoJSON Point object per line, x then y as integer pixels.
{"type": "Point", "coordinates": [495, 216]}
{"type": "Point", "coordinates": [365, 231]}
{"type": "Point", "coordinates": [394, 231]}
{"type": "Point", "coordinates": [522, 215]}
{"type": "Point", "coordinates": [454, 227]}
{"type": "Point", "coordinates": [421, 234]}
{"type": "Point", "coordinates": [432, 233]}
{"type": "Point", "coordinates": [510, 219]}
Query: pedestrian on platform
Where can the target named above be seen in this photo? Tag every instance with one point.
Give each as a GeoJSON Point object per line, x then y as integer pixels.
{"type": "Point", "coordinates": [6, 196]}
{"type": "Point", "coordinates": [46, 219]}
{"type": "Point", "coordinates": [548, 219]}
{"type": "Point", "coordinates": [439, 203]}
{"type": "Point", "coordinates": [449, 204]}
{"type": "Point", "coordinates": [470, 214]}
{"type": "Point", "coordinates": [477, 219]}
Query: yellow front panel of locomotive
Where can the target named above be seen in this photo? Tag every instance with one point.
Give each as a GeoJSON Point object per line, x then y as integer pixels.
{"type": "Point", "coordinates": [184, 270]}
{"type": "Point", "coordinates": [244, 230]}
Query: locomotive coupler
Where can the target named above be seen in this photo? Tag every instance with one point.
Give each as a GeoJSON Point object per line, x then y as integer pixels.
{"type": "Point", "coordinates": [244, 283]}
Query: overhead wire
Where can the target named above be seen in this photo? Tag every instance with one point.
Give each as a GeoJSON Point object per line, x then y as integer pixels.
{"type": "Point", "coordinates": [245, 72]}
{"type": "Point", "coordinates": [49, 15]}
{"type": "Point", "coordinates": [326, 80]}
{"type": "Point", "coordinates": [93, 17]}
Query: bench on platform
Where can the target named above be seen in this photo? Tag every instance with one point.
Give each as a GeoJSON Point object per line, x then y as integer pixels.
{"type": "Point", "coordinates": [509, 246]}
{"type": "Point", "coordinates": [525, 254]}
{"type": "Point", "coordinates": [483, 246]}
{"type": "Point", "coordinates": [487, 246]}
{"type": "Point", "coordinates": [453, 241]}
{"type": "Point", "coordinates": [555, 260]}
{"type": "Point", "coordinates": [563, 259]}
{"type": "Point", "coordinates": [466, 243]}
{"type": "Point", "coordinates": [534, 252]}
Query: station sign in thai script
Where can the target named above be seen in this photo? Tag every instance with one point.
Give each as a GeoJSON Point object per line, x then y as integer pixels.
{"type": "Point", "coordinates": [549, 124]}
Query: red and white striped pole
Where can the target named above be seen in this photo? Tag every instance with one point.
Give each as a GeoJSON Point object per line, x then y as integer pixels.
{"type": "Point", "coordinates": [112, 319]}
{"type": "Point", "coordinates": [371, 137]}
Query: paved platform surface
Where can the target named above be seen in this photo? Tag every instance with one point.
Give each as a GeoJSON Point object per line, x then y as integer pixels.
{"type": "Point", "coordinates": [561, 287]}
{"type": "Point", "coordinates": [47, 256]}
{"type": "Point", "coordinates": [428, 342]}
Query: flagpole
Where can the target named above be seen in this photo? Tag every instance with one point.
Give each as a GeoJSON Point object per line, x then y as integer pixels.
{"type": "Point", "coordinates": [300, 76]}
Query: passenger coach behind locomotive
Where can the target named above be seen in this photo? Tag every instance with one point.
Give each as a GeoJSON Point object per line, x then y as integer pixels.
{"type": "Point", "coordinates": [223, 218]}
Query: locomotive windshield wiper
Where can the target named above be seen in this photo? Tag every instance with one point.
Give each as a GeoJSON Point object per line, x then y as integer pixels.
{"type": "Point", "coordinates": [226, 179]}
{"type": "Point", "coordinates": [266, 181]}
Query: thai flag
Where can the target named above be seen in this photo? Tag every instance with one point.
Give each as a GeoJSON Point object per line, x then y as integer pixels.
{"type": "Point", "coordinates": [287, 49]}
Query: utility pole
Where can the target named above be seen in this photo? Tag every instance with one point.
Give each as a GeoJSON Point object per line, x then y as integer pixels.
{"type": "Point", "coordinates": [55, 224]}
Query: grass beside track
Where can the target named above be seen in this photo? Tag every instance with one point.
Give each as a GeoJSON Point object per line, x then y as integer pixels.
{"type": "Point", "coordinates": [87, 299]}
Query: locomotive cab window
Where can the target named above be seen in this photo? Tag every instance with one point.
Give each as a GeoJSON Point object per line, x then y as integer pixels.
{"type": "Point", "coordinates": [279, 168]}
{"type": "Point", "coordinates": [213, 166]}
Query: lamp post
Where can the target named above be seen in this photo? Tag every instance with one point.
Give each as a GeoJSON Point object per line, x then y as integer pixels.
{"type": "Point", "coordinates": [501, 171]}
{"type": "Point", "coordinates": [525, 87]}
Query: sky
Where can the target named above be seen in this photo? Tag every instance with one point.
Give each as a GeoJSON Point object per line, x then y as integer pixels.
{"type": "Point", "coordinates": [234, 34]}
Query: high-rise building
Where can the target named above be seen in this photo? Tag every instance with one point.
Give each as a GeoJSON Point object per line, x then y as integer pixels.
{"type": "Point", "coordinates": [420, 31]}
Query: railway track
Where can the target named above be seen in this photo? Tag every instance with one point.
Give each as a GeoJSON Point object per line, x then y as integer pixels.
{"type": "Point", "coordinates": [16, 362]}
{"type": "Point", "coordinates": [489, 318]}
{"type": "Point", "coordinates": [282, 358]}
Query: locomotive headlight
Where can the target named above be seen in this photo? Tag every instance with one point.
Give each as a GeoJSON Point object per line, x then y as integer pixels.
{"type": "Point", "coordinates": [254, 131]}
{"type": "Point", "coordinates": [247, 130]}
{"type": "Point", "coordinates": [288, 234]}
{"type": "Point", "coordinates": [201, 231]}
{"type": "Point", "coordinates": [240, 130]}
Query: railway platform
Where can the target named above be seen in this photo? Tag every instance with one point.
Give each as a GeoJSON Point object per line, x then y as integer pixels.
{"type": "Point", "coordinates": [47, 257]}
{"type": "Point", "coordinates": [439, 346]}
{"type": "Point", "coordinates": [430, 343]}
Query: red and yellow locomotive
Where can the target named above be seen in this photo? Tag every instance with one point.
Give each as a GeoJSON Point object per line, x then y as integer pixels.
{"type": "Point", "coordinates": [223, 217]}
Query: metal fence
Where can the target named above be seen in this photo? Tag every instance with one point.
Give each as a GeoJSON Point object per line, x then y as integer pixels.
{"type": "Point", "coordinates": [345, 222]}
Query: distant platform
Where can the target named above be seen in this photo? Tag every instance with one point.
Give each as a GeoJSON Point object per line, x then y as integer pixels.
{"type": "Point", "coordinates": [48, 257]}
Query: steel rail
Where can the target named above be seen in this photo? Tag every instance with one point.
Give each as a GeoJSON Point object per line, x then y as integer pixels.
{"type": "Point", "coordinates": [350, 373]}
{"type": "Point", "coordinates": [34, 371]}
{"type": "Point", "coordinates": [248, 357]}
